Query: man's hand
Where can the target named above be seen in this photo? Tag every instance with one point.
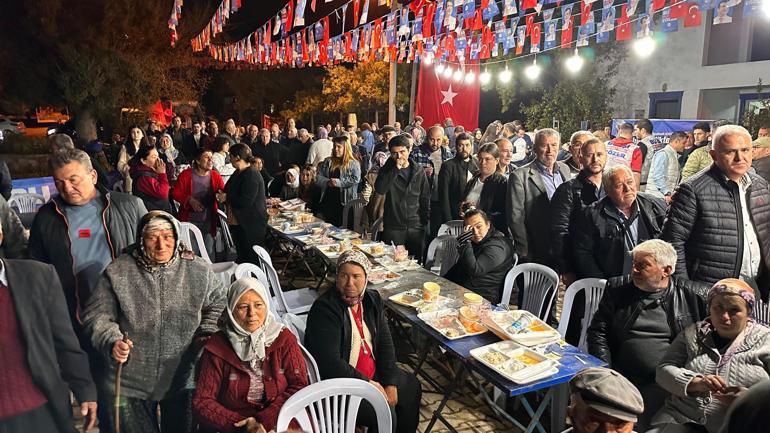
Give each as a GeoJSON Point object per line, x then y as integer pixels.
{"type": "Point", "coordinates": [391, 394]}
{"type": "Point", "coordinates": [429, 170]}
{"type": "Point", "coordinates": [160, 166]}
{"type": "Point", "coordinates": [701, 386]}
{"type": "Point", "coordinates": [88, 411]}
{"type": "Point", "coordinates": [196, 205]}
{"type": "Point", "coordinates": [250, 425]}
{"type": "Point", "coordinates": [121, 349]}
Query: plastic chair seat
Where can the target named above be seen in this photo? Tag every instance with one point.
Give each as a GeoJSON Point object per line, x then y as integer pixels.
{"type": "Point", "coordinates": [593, 289]}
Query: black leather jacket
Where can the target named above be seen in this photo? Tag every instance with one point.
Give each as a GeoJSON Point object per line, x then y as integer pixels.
{"type": "Point", "coordinates": [684, 304]}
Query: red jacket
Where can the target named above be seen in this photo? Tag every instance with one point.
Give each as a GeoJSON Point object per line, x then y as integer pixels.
{"type": "Point", "coordinates": [183, 190]}
{"type": "Point", "coordinates": [153, 184]}
{"type": "Point", "coordinates": [223, 383]}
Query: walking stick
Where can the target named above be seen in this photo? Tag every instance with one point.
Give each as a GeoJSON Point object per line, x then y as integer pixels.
{"type": "Point", "coordinates": [117, 389]}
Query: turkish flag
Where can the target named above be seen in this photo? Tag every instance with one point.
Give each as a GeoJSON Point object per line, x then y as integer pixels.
{"type": "Point", "coordinates": [585, 11]}
{"type": "Point", "coordinates": [693, 16]}
{"type": "Point", "coordinates": [427, 22]}
{"type": "Point", "coordinates": [623, 26]}
{"type": "Point", "coordinates": [566, 35]}
{"type": "Point", "coordinates": [439, 97]}
{"type": "Point", "coordinates": [528, 4]}
{"type": "Point", "coordinates": [678, 10]}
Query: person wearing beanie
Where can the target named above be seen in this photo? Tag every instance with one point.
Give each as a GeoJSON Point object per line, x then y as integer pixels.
{"type": "Point", "coordinates": [348, 335]}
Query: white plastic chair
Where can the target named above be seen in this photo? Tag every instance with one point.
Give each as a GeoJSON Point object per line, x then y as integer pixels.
{"type": "Point", "coordinates": [540, 285]}
{"type": "Point", "coordinates": [442, 250]}
{"type": "Point", "coordinates": [454, 228]}
{"type": "Point", "coordinates": [296, 301]}
{"type": "Point", "coordinates": [375, 229]}
{"type": "Point", "coordinates": [228, 237]}
{"type": "Point", "coordinates": [26, 202]}
{"type": "Point", "coordinates": [593, 289]}
{"type": "Point", "coordinates": [312, 368]}
{"type": "Point", "coordinates": [762, 312]}
{"type": "Point", "coordinates": [225, 270]}
{"type": "Point", "coordinates": [358, 205]}
{"type": "Point", "coordinates": [331, 406]}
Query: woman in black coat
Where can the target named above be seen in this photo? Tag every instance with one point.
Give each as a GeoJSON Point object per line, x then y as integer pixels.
{"type": "Point", "coordinates": [246, 207]}
{"type": "Point", "coordinates": [486, 190]}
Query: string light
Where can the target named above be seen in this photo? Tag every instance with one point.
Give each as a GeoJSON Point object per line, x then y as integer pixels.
{"type": "Point", "coordinates": [532, 71]}
{"type": "Point", "coordinates": [447, 72]}
{"type": "Point", "coordinates": [766, 8]}
{"type": "Point", "coordinates": [458, 75]}
{"type": "Point", "coordinates": [505, 75]}
{"type": "Point", "coordinates": [644, 47]}
{"type": "Point", "coordinates": [439, 68]}
{"type": "Point", "coordinates": [485, 77]}
{"type": "Point", "coordinates": [470, 77]}
{"type": "Point", "coordinates": [428, 60]}
{"type": "Point", "coordinates": [575, 63]}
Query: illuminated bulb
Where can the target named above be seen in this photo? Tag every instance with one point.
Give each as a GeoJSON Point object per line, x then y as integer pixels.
{"type": "Point", "coordinates": [644, 46]}
{"type": "Point", "coordinates": [505, 75]}
{"type": "Point", "coordinates": [766, 8]}
{"type": "Point", "coordinates": [428, 60]}
{"type": "Point", "coordinates": [447, 72]}
{"type": "Point", "coordinates": [574, 63]}
{"type": "Point", "coordinates": [532, 71]}
{"type": "Point", "coordinates": [470, 77]}
{"type": "Point", "coordinates": [440, 68]}
{"type": "Point", "coordinates": [485, 77]}
{"type": "Point", "coordinates": [458, 75]}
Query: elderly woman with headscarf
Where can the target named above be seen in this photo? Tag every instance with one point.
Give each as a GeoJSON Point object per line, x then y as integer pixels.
{"type": "Point", "coordinates": [290, 189]}
{"type": "Point", "coordinates": [348, 335]}
{"type": "Point", "coordinates": [712, 362]}
{"type": "Point", "coordinates": [249, 369]}
{"type": "Point", "coordinates": [152, 310]}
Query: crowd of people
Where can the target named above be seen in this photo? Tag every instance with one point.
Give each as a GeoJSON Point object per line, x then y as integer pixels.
{"type": "Point", "coordinates": [681, 231]}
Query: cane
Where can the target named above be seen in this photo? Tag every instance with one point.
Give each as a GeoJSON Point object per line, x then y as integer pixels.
{"type": "Point", "coordinates": [117, 389]}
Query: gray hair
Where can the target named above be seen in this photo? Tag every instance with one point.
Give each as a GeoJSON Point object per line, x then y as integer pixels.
{"type": "Point", "coordinates": [542, 134]}
{"type": "Point", "coordinates": [63, 157]}
{"type": "Point", "coordinates": [303, 131]}
{"type": "Point", "coordinates": [607, 176]}
{"type": "Point", "coordinates": [577, 134]}
{"type": "Point", "coordinates": [662, 251]}
{"type": "Point", "coordinates": [728, 131]}
{"type": "Point", "coordinates": [60, 142]}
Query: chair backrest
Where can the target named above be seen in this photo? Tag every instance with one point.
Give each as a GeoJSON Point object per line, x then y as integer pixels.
{"type": "Point", "coordinates": [762, 312]}
{"type": "Point", "coordinates": [225, 229]}
{"type": "Point", "coordinates": [375, 229]}
{"type": "Point", "coordinates": [448, 253]}
{"type": "Point", "coordinates": [312, 367]}
{"type": "Point", "coordinates": [263, 254]}
{"type": "Point", "coordinates": [539, 288]}
{"type": "Point", "coordinates": [593, 289]}
{"type": "Point", "coordinates": [358, 205]}
{"type": "Point", "coordinates": [272, 278]}
{"type": "Point", "coordinates": [26, 202]}
{"type": "Point", "coordinates": [189, 234]}
{"type": "Point", "coordinates": [252, 270]}
{"type": "Point", "coordinates": [331, 406]}
{"type": "Point", "coordinates": [454, 228]}
{"type": "Point", "coordinates": [118, 186]}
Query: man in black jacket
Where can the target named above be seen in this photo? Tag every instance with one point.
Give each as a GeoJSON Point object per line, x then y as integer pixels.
{"type": "Point", "coordinates": [41, 358]}
{"type": "Point", "coordinates": [639, 316]}
{"type": "Point", "coordinates": [454, 175]}
{"type": "Point", "coordinates": [719, 220]}
{"type": "Point", "coordinates": [83, 229]}
{"type": "Point", "coordinates": [407, 197]}
{"type": "Point", "coordinates": [336, 327]}
{"type": "Point", "coordinates": [609, 229]}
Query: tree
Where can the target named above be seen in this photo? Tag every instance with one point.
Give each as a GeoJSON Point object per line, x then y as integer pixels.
{"type": "Point", "coordinates": [94, 57]}
{"type": "Point", "coordinates": [755, 117]}
{"type": "Point", "coordinates": [363, 87]}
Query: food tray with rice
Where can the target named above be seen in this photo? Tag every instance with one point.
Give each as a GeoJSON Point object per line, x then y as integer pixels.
{"type": "Point", "coordinates": [514, 362]}
{"type": "Point", "coordinates": [447, 322]}
{"type": "Point", "coordinates": [520, 326]}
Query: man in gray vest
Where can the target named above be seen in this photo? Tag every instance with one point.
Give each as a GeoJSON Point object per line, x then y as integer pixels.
{"type": "Point", "coordinates": [664, 172]}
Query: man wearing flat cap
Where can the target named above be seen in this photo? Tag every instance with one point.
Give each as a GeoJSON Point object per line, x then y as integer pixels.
{"type": "Point", "coordinates": [348, 336]}
{"type": "Point", "coordinates": [603, 401]}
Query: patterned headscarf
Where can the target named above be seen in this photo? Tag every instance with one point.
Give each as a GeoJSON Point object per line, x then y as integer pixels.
{"type": "Point", "coordinates": [150, 222]}
{"type": "Point", "coordinates": [357, 257]}
{"type": "Point", "coordinates": [734, 286]}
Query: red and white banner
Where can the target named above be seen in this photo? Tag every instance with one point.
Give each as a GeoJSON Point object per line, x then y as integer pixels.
{"type": "Point", "coordinates": [439, 97]}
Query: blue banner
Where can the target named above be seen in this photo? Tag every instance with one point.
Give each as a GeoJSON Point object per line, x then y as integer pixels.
{"type": "Point", "coordinates": [36, 185]}
{"type": "Point", "coordinates": [661, 128]}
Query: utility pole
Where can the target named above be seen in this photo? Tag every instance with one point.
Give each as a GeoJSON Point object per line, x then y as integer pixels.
{"type": "Point", "coordinates": [392, 80]}
{"type": "Point", "coordinates": [413, 91]}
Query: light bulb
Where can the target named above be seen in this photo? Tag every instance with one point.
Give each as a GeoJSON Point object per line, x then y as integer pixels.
{"type": "Point", "coordinates": [574, 63]}
{"type": "Point", "coordinates": [485, 77]}
{"type": "Point", "coordinates": [458, 75]}
{"type": "Point", "coordinates": [447, 72]}
{"type": "Point", "coordinates": [644, 47]}
{"type": "Point", "coordinates": [505, 75]}
{"type": "Point", "coordinates": [470, 77]}
{"type": "Point", "coordinates": [766, 8]}
{"type": "Point", "coordinates": [532, 71]}
{"type": "Point", "coordinates": [428, 60]}
{"type": "Point", "coordinates": [440, 68]}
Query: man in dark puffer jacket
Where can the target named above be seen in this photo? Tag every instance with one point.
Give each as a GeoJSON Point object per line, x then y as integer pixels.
{"type": "Point", "coordinates": [719, 220]}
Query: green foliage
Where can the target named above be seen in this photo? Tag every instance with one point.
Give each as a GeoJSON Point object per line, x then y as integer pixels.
{"type": "Point", "coordinates": [754, 118]}
{"type": "Point", "coordinates": [363, 87]}
{"type": "Point", "coordinates": [24, 145]}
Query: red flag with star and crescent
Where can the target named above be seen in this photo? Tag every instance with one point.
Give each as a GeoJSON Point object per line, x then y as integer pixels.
{"type": "Point", "coordinates": [439, 97]}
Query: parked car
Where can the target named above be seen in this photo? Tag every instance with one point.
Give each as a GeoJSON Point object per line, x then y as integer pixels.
{"type": "Point", "coordinates": [7, 125]}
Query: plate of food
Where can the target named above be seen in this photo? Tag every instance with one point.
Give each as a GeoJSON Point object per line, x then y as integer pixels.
{"type": "Point", "coordinates": [331, 251]}
{"type": "Point", "coordinates": [414, 298]}
{"type": "Point", "coordinates": [344, 234]}
{"type": "Point", "coordinates": [514, 362]}
{"type": "Point", "coordinates": [374, 249]}
{"type": "Point", "coordinates": [521, 326]}
{"type": "Point", "coordinates": [292, 229]}
{"type": "Point", "coordinates": [383, 276]}
{"type": "Point", "coordinates": [447, 323]}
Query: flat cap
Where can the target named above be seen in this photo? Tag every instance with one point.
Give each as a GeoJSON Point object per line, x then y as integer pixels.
{"type": "Point", "coordinates": [608, 392]}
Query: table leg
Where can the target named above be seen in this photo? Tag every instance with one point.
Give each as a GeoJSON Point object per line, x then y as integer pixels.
{"type": "Point", "coordinates": [458, 381]}
{"type": "Point", "coordinates": [288, 259]}
{"type": "Point", "coordinates": [559, 402]}
{"type": "Point", "coordinates": [535, 415]}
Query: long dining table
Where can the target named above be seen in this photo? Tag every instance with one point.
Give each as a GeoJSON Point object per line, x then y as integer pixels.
{"type": "Point", "coordinates": [555, 388]}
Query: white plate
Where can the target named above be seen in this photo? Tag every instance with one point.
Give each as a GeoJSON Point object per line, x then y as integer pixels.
{"type": "Point", "coordinates": [499, 322]}
{"type": "Point", "coordinates": [505, 358]}
{"type": "Point", "coordinates": [430, 319]}
{"type": "Point", "coordinates": [344, 235]}
{"type": "Point", "coordinates": [419, 303]}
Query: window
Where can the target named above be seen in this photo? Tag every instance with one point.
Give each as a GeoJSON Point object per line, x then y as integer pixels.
{"type": "Point", "coordinates": [666, 105]}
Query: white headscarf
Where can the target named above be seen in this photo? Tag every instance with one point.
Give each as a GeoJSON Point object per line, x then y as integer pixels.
{"type": "Point", "coordinates": [250, 347]}
{"type": "Point", "coordinates": [295, 173]}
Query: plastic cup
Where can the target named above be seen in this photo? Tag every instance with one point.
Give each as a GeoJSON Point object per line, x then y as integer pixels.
{"type": "Point", "coordinates": [430, 291]}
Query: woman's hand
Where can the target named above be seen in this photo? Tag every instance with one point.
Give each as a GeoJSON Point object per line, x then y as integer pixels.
{"type": "Point", "coordinates": [121, 350]}
{"type": "Point", "coordinates": [221, 196]}
{"type": "Point", "coordinates": [250, 425]}
{"type": "Point", "coordinates": [160, 166]}
{"type": "Point", "coordinates": [729, 394]}
{"type": "Point", "coordinates": [701, 386]}
{"type": "Point", "coordinates": [195, 204]}
{"type": "Point", "coordinates": [391, 394]}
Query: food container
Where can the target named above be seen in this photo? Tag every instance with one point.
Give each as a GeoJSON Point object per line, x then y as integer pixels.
{"type": "Point", "coordinates": [430, 291]}
{"type": "Point", "coordinates": [468, 317]}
